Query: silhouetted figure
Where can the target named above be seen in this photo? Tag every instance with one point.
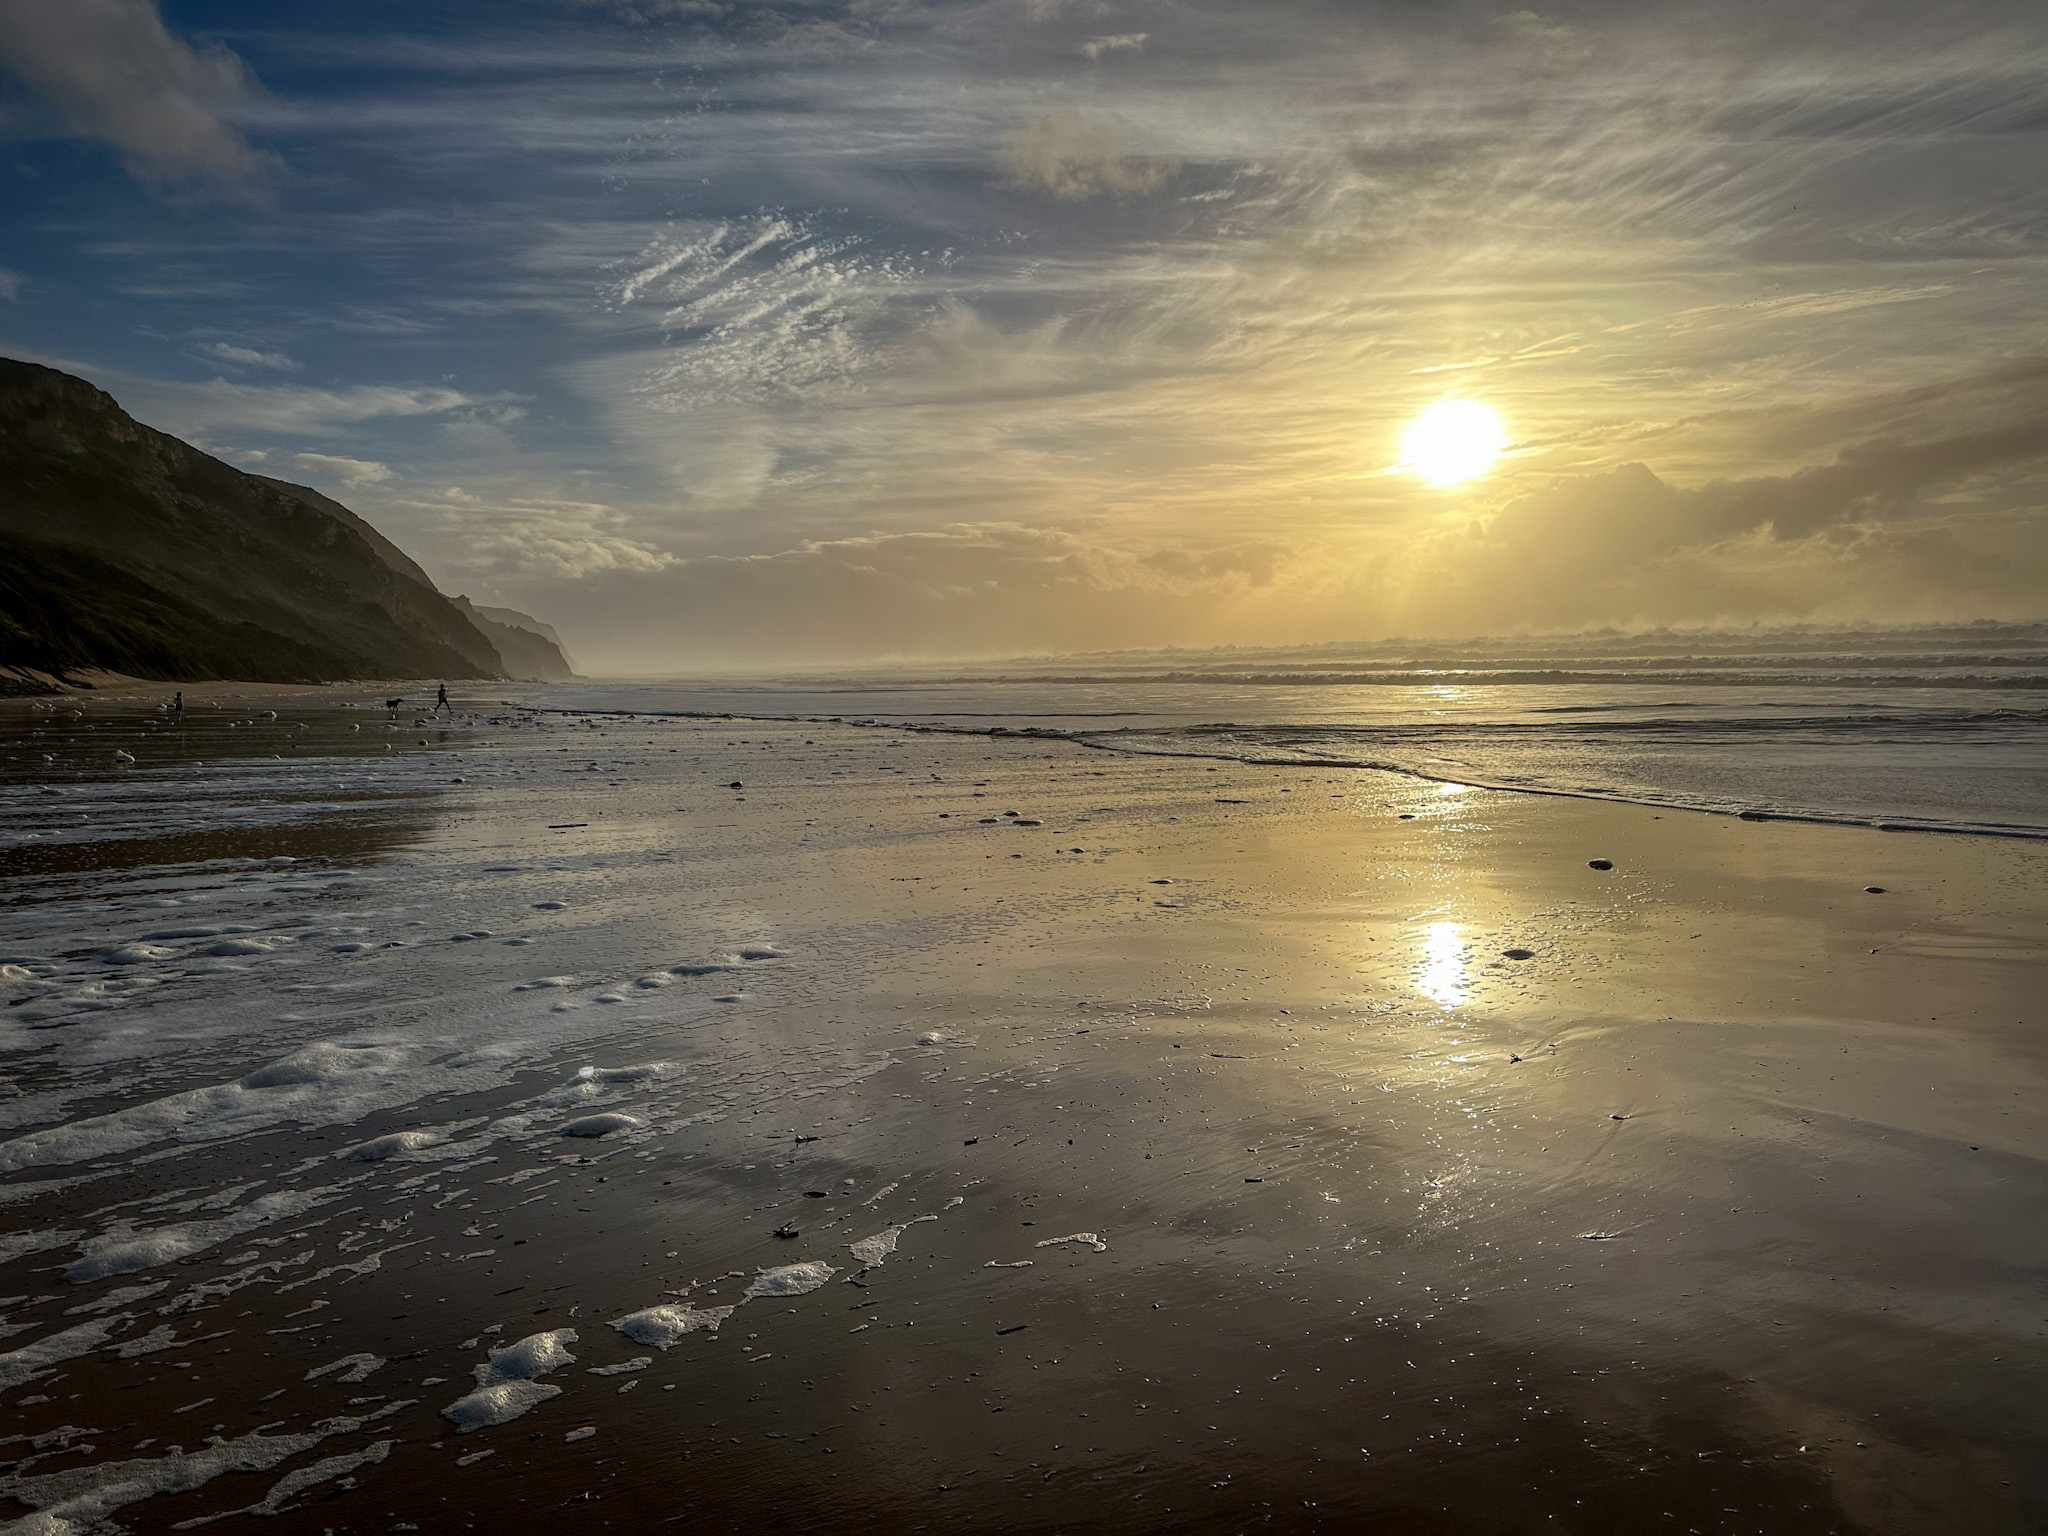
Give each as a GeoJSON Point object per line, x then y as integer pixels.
{"type": "Point", "coordinates": [442, 703]}
{"type": "Point", "coordinates": [178, 703]}
{"type": "Point", "coordinates": [394, 705]}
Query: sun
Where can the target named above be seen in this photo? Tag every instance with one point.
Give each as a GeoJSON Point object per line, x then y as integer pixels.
{"type": "Point", "coordinates": [1453, 441]}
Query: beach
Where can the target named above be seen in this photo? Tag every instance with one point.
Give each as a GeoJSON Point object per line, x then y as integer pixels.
{"type": "Point", "coordinates": [1079, 1139]}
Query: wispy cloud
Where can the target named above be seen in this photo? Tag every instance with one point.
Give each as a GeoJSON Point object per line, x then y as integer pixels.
{"type": "Point", "coordinates": [1115, 42]}
{"type": "Point", "coordinates": [1077, 155]}
{"type": "Point", "coordinates": [248, 357]}
{"type": "Point", "coordinates": [349, 472]}
{"type": "Point", "coordinates": [218, 408]}
{"type": "Point", "coordinates": [115, 73]}
{"type": "Point", "coordinates": [507, 537]}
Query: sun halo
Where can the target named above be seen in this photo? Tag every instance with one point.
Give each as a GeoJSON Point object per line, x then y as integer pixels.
{"type": "Point", "coordinates": [1452, 442]}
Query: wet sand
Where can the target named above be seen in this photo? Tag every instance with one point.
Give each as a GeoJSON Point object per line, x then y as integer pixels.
{"type": "Point", "coordinates": [1720, 1212]}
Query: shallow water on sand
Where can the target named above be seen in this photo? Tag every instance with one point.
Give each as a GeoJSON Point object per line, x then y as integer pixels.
{"type": "Point", "coordinates": [1913, 729]}
{"type": "Point", "coordinates": [1183, 1152]}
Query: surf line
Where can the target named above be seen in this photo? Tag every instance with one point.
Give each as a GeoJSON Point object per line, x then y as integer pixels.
{"type": "Point", "coordinates": [1106, 741]}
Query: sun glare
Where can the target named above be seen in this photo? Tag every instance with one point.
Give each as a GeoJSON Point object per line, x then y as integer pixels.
{"type": "Point", "coordinates": [1443, 965]}
{"type": "Point", "coordinates": [1453, 441]}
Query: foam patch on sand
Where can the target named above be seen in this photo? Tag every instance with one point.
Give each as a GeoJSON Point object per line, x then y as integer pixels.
{"type": "Point", "coordinates": [636, 1072]}
{"type": "Point", "coordinates": [397, 1144]}
{"type": "Point", "coordinates": [78, 1501]}
{"type": "Point", "coordinates": [351, 1368]}
{"type": "Point", "coordinates": [506, 1385]}
{"type": "Point", "coordinates": [120, 1296]}
{"type": "Point", "coordinates": [1085, 1239]}
{"type": "Point", "coordinates": [322, 1082]}
{"type": "Point", "coordinates": [18, 1245]}
{"type": "Point", "coordinates": [666, 1326]}
{"type": "Point", "coordinates": [593, 1126]}
{"type": "Point", "coordinates": [160, 1338]}
{"type": "Point", "coordinates": [292, 1484]}
{"type": "Point", "coordinates": [790, 1279]}
{"type": "Point", "coordinates": [123, 1250]}
{"type": "Point", "coordinates": [237, 947]}
{"type": "Point", "coordinates": [30, 1361]}
{"type": "Point", "coordinates": [589, 1080]}
{"type": "Point", "coordinates": [871, 1251]}
{"type": "Point", "coordinates": [136, 954]}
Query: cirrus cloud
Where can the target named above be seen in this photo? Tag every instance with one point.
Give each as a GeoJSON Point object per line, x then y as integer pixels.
{"type": "Point", "coordinates": [248, 357]}
{"type": "Point", "coordinates": [350, 472]}
{"type": "Point", "coordinates": [1076, 155]}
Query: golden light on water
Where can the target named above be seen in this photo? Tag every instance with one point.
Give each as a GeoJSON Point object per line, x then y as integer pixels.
{"type": "Point", "coordinates": [1453, 441]}
{"type": "Point", "coordinates": [1442, 976]}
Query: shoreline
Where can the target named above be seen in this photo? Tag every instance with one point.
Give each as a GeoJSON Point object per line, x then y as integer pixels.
{"type": "Point", "coordinates": [352, 691]}
{"type": "Point", "coordinates": [1093, 741]}
{"type": "Point", "coordinates": [1676, 1215]}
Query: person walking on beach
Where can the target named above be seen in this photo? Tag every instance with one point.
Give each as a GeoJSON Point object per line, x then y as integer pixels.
{"type": "Point", "coordinates": [442, 702]}
{"type": "Point", "coordinates": [178, 703]}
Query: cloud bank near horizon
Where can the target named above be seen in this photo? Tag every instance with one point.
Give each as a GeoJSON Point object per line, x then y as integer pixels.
{"type": "Point", "coordinates": [1850, 542]}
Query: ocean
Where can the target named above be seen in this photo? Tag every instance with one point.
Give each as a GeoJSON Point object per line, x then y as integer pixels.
{"type": "Point", "coordinates": [1939, 729]}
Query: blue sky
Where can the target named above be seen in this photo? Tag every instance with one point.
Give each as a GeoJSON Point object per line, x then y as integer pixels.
{"type": "Point", "coordinates": [724, 333]}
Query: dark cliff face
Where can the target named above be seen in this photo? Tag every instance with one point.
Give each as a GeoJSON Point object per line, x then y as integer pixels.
{"type": "Point", "coordinates": [123, 548]}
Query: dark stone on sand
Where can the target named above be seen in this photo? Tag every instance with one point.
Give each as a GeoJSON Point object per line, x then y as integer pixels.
{"type": "Point", "coordinates": [970, 1141]}
{"type": "Point", "coordinates": [1406, 816]}
{"type": "Point", "coordinates": [1874, 890]}
{"type": "Point", "coordinates": [735, 784]}
{"type": "Point", "coordinates": [1599, 863]}
{"type": "Point", "coordinates": [1519, 954]}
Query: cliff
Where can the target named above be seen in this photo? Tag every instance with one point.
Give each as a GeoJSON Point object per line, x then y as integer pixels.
{"type": "Point", "coordinates": [531, 650]}
{"type": "Point", "coordinates": [124, 549]}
